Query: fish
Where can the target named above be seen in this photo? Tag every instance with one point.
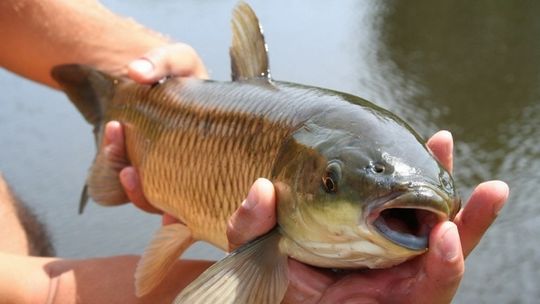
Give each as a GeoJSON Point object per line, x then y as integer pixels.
{"type": "Point", "coordinates": [356, 187]}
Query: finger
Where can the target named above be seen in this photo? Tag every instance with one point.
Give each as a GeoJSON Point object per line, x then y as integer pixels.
{"type": "Point", "coordinates": [308, 284]}
{"type": "Point", "coordinates": [114, 134]}
{"type": "Point", "coordinates": [479, 213]}
{"type": "Point", "coordinates": [443, 266]}
{"type": "Point", "coordinates": [442, 145]}
{"type": "Point", "coordinates": [175, 59]}
{"type": "Point", "coordinates": [113, 144]}
{"type": "Point", "coordinates": [115, 151]}
{"type": "Point", "coordinates": [133, 188]}
{"type": "Point", "coordinates": [255, 217]}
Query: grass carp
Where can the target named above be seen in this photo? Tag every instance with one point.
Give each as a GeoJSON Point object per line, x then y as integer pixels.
{"type": "Point", "coordinates": [356, 187]}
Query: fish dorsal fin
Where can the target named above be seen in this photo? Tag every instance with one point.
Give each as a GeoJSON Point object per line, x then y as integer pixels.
{"type": "Point", "coordinates": [249, 54]}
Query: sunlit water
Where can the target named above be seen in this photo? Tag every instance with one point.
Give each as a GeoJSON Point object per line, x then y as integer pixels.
{"type": "Point", "coordinates": [469, 67]}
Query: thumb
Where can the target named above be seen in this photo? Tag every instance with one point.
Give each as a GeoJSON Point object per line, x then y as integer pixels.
{"type": "Point", "coordinates": [175, 59]}
{"type": "Point", "coordinates": [255, 217]}
{"type": "Point", "coordinates": [444, 264]}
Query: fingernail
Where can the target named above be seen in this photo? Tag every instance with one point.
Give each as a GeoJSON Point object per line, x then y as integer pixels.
{"type": "Point", "coordinates": [449, 247]}
{"type": "Point", "coordinates": [251, 200]}
{"type": "Point", "coordinates": [506, 192]}
{"type": "Point", "coordinates": [143, 66]}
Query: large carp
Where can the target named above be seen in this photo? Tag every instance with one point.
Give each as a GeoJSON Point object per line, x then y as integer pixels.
{"type": "Point", "coordinates": [355, 185]}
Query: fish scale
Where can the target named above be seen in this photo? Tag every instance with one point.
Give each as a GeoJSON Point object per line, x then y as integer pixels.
{"type": "Point", "coordinates": [199, 163]}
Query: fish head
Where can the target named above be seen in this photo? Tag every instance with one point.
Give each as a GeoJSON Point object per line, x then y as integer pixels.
{"type": "Point", "coordinates": [358, 188]}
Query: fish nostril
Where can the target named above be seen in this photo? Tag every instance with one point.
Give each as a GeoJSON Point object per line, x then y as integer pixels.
{"type": "Point", "coordinates": [378, 168]}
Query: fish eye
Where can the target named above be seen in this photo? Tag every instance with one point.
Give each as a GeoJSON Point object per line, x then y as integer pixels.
{"type": "Point", "coordinates": [331, 177]}
{"type": "Point", "coordinates": [329, 184]}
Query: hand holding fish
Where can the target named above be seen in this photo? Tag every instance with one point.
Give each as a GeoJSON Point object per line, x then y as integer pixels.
{"type": "Point", "coordinates": [430, 278]}
{"type": "Point", "coordinates": [177, 59]}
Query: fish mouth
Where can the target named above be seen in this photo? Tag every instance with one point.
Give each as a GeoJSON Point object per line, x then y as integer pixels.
{"type": "Point", "coordinates": [406, 219]}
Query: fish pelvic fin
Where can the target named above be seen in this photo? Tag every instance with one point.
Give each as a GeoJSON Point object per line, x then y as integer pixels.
{"type": "Point", "coordinates": [91, 91]}
{"type": "Point", "coordinates": [254, 273]}
{"type": "Point", "coordinates": [248, 51]}
{"type": "Point", "coordinates": [168, 244]}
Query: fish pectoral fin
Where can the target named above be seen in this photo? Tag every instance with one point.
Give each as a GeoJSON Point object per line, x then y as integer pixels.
{"type": "Point", "coordinates": [254, 273]}
{"type": "Point", "coordinates": [167, 245]}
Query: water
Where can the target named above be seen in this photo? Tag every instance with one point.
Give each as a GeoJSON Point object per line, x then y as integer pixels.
{"type": "Point", "coordinates": [469, 67]}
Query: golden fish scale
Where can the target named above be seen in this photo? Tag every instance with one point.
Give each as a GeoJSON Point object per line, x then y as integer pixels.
{"type": "Point", "coordinates": [196, 162]}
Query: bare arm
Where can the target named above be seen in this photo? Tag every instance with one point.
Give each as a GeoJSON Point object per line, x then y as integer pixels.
{"type": "Point", "coordinates": [38, 34]}
{"type": "Point", "coordinates": [99, 280]}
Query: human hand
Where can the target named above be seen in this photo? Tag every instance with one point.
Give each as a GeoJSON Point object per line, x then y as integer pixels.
{"type": "Point", "coordinates": [175, 59]}
{"type": "Point", "coordinates": [429, 278]}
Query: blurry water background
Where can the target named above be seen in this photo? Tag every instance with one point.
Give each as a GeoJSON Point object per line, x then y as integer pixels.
{"type": "Point", "coordinates": [472, 67]}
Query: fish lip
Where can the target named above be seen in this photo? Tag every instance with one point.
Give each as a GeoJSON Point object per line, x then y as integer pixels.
{"type": "Point", "coordinates": [421, 201]}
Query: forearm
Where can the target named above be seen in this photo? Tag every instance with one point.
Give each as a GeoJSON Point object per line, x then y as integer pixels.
{"type": "Point", "coordinates": [23, 279]}
{"type": "Point", "coordinates": [38, 34]}
{"type": "Point", "coordinates": [101, 280]}
{"type": "Point", "coordinates": [13, 238]}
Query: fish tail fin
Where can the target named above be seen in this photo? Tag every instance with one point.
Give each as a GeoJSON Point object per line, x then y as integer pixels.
{"type": "Point", "coordinates": [248, 52]}
{"type": "Point", "coordinates": [90, 91]}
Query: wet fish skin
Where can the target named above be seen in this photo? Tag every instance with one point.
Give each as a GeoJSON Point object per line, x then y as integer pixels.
{"type": "Point", "coordinates": [199, 145]}
{"type": "Point", "coordinates": [354, 182]}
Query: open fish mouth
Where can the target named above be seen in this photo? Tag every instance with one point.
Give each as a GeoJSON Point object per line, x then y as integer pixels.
{"type": "Point", "coordinates": [407, 219]}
